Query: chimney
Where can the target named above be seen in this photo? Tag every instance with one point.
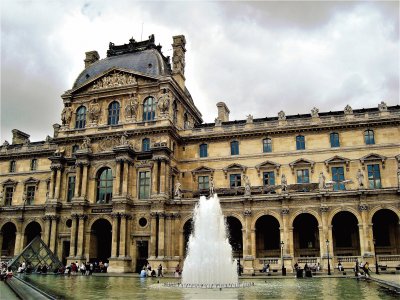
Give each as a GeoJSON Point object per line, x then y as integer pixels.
{"type": "Point", "coordinates": [178, 59]}
{"type": "Point", "coordinates": [19, 137]}
{"type": "Point", "coordinates": [91, 57]}
{"type": "Point", "coordinates": [223, 112]}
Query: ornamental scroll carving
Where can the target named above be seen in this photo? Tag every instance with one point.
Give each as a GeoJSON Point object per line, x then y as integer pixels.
{"type": "Point", "coordinates": [114, 80]}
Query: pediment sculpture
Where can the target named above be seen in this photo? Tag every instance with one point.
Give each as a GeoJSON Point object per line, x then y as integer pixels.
{"type": "Point", "coordinates": [114, 80]}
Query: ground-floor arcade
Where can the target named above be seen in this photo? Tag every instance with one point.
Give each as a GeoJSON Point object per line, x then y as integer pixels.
{"type": "Point", "coordinates": [258, 235]}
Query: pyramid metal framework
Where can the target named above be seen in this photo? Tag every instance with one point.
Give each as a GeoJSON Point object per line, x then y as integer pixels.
{"type": "Point", "coordinates": [36, 253]}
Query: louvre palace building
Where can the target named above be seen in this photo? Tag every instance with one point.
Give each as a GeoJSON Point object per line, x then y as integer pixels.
{"type": "Point", "coordinates": [120, 176]}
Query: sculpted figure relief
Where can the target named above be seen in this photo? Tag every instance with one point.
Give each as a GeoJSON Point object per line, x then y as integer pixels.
{"type": "Point", "coordinates": [314, 112]}
{"type": "Point", "coordinates": [348, 110]}
{"type": "Point", "coordinates": [321, 181]}
{"type": "Point", "coordinates": [212, 186]}
{"type": "Point", "coordinates": [247, 185]}
{"type": "Point", "coordinates": [131, 107]}
{"type": "Point", "coordinates": [360, 178]}
{"type": "Point", "coordinates": [281, 115]}
{"type": "Point", "coordinates": [66, 115]}
{"type": "Point", "coordinates": [284, 183]}
{"type": "Point", "coordinates": [123, 141]}
{"type": "Point", "coordinates": [86, 144]}
{"type": "Point", "coordinates": [163, 104]}
{"type": "Point", "coordinates": [178, 190]}
{"type": "Point", "coordinates": [94, 111]}
{"type": "Point", "coordinates": [114, 80]}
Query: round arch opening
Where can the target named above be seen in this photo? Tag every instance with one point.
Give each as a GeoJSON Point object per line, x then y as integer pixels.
{"type": "Point", "coordinates": [386, 232]}
{"type": "Point", "coordinates": [306, 236]}
{"type": "Point", "coordinates": [32, 230]}
{"type": "Point", "coordinates": [9, 234]}
{"type": "Point", "coordinates": [267, 237]}
{"type": "Point", "coordinates": [345, 234]}
{"type": "Point", "coordinates": [234, 231]}
{"type": "Point", "coordinates": [100, 240]}
{"type": "Point", "coordinates": [187, 231]}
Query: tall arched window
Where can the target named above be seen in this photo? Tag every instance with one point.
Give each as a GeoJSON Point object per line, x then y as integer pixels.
{"type": "Point", "coordinates": [175, 112]}
{"type": "Point", "coordinates": [113, 113]}
{"type": "Point", "coordinates": [80, 121]}
{"type": "Point", "coordinates": [146, 144]}
{"type": "Point", "coordinates": [369, 137]}
{"type": "Point", "coordinates": [149, 109]}
{"type": "Point", "coordinates": [267, 145]}
{"type": "Point", "coordinates": [104, 185]}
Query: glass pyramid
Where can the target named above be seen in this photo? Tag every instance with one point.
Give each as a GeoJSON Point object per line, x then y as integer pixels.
{"type": "Point", "coordinates": [36, 254]}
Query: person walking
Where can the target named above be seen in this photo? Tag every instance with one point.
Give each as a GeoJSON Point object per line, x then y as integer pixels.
{"type": "Point", "coordinates": [159, 269]}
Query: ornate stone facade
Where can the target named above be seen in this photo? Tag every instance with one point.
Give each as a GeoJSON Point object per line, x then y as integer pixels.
{"type": "Point", "coordinates": [122, 186]}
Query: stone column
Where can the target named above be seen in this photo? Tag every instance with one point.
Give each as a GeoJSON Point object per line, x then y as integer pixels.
{"type": "Point", "coordinates": [247, 234]}
{"type": "Point", "coordinates": [58, 183]}
{"type": "Point", "coordinates": [168, 231]}
{"type": "Point", "coordinates": [287, 233]}
{"type": "Point", "coordinates": [161, 235]}
{"type": "Point", "coordinates": [77, 181]}
{"type": "Point", "coordinates": [177, 238]}
{"type": "Point", "coordinates": [53, 236]}
{"type": "Point", "coordinates": [154, 178]}
{"type": "Point", "coordinates": [114, 245]}
{"type": "Point", "coordinates": [362, 239]}
{"type": "Point", "coordinates": [253, 242]}
{"type": "Point", "coordinates": [73, 236]}
{"type": "Point", "coordinates": [126, 179]}
{"type": "Point", "coordinates": [81, 235]}
{"type": "Point", "coordinates": [122, 242]}
{"type": "Point", "coordinates": [46, 235]}
{"type": "Point", "coordinates": [117, 181]}
{"type": "Point", "coordinates": [366, 238]}
{"type": "Point", "coordinates": [330, 238]}
{"type": "Point", "coordinates": [162, 177]}
{"type": "Point", "coordinates": [168, 179]}
{"type": "Point", "coordinates": [52, 182]}
{"type": "Point", "coordinates": [84, 180]}
{"type": "Point", "coordinates": [153, 238]}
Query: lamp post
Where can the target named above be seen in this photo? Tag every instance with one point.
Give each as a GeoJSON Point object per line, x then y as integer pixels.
{"type": "Point", "coordinates": [283, 261]}
{"type": "Point", "coordinates": [376, 259]}
{"type": "Point", "coordinates": [327, 250]}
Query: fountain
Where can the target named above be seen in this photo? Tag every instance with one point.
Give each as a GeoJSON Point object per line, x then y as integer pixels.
{"type": "Point", "coordinates": [209, 257]}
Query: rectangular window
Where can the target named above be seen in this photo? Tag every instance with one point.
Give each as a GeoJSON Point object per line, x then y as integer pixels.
{"type": "Point", "coordinates": [9, 195]}
{"type": "Point", "coordinates": [144, 185]}
{"type": "Point", "coordinates": [268, 178]}
{"type": "Point", "coordinates": [71, 188]}
{"type": "Point", "coordinates": [12, 166]}
{"type": "Point", "coordinates": [338, 178]}
{"type": "Point", "coordinates": [33, 164]}
{"type": "Point", "coordinates": [203, 150]}
{"type": "Point", "coordinates": [300, 142]}
{"type": "Point", "coordinates": [335, 140]}
{"type": "Point", "coordinates": [203, 183]}
{"type": "Point", "coordinates": [30, 194]}
{"type": "Point", "coordinates": [374, 177]}
{"type": "Point", "coordinates": [303, 176]}
{"type": "Point", "coordinates": [235, 180]}
{"type": "Point", "coordinates": [267, 145]}
{"type": "Point", "coordinates": [235, 148]}
{"type": "Point", "coordinates": [369, 137]}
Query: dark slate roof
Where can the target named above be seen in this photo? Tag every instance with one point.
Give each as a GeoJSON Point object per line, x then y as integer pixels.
{"type": "Point", "coordinates": [149, 61]}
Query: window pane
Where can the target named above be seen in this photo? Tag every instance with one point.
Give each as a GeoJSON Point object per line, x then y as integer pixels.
{"type": "Point", "coordinates": [267, 145]}
{"type": "Point", "coordinates": [369, 137]}
{"type": "Point", "coordinates": [71, 188]}
{"type": "Point", "coordinates": [235, 148]}
{"type": "Point", "coordinates": [235, 180]}
{"type": "Point", "coordinates": [269, 178]}
{"type": "Point", "coordinates": [338, 177]}
{"type": "Point", "coordinates": [203, 183]}
{"type": "Point", "coordinates": [203, 150]}
{"type": "Point", "coordinates": [113, 113]}
{"type": "Point", "coordinates": [9, 195]}
{"type": "Point", "coordinates": [144, 185]}
{"type": "Point", "coordinates": [104, 186]}
{"type": "Point", "coordinates": [300, 142]}
{"type": "Point", "coordinates": [335, 140]}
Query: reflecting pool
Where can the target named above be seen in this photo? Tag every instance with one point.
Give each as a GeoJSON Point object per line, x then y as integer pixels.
{"type": "Point", "coordinates": [96, 287]}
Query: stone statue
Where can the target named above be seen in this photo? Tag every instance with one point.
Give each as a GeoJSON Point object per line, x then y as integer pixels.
{"type": "Point", "coordinates": [212, 186]}
{"type": "Point", "coordinates": [86, 145]}
{"type": "Point", "coordinates": [284, 183]}
{"type": "Point", "coordinates": [217, 122]}
{"type": "Point", "coordinates": [247, 185]}
{"type": "Point", "coordinates": [314, 112]}
{"type": "Point", "coordinates": [348, 110]}
{"type": "Point", "coordinates": [360, 178]}
{"type": "Point", "coordinates": [131, 107]}
{"type": "Point", "coordinates": [178, 190]}
{"type": "Point", "coordinates": [123, 141]}
{"type": "Point", "coordinates": [382, 106]}
{"type": "Point", "coordinates": [249, 119]}
{"type": "Point", "coordinates": [6, 144]}
{"type": "Point", "coordinates": [163, 104]}
{"type": "Point", "coordinates": [48, 139]}
{"type": "Point", "coordinates": [321, 181]}
{"type": "Point", "coordinates": [66, 115]}
{"type": "Point", "coordinates": [281, 115]}
{"type": "Point", "coordinates": [94, 111]}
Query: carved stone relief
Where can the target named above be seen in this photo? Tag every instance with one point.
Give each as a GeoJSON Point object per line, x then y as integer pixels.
{"type": "Point", "coordinates": [114, 80]}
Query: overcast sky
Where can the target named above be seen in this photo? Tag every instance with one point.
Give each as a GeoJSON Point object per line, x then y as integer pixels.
{"type": "Point", "coordinates": [257, 57]}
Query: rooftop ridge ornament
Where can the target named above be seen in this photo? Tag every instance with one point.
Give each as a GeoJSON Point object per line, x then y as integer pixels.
{"type": "Point", "coordinates": [132, 46]}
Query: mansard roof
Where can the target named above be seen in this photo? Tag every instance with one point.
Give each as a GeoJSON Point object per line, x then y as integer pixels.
{"type": "Point", "coordinates": [144, 57]}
